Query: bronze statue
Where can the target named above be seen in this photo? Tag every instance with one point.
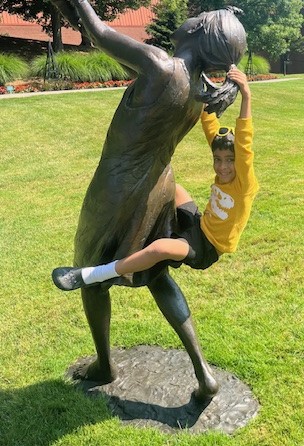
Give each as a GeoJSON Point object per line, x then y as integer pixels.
{"type": "Point", "coordinates": [130, 200]}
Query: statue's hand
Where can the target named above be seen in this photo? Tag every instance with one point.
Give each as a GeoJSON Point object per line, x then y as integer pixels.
{"type": "Point", "coordinates": [217, 98]}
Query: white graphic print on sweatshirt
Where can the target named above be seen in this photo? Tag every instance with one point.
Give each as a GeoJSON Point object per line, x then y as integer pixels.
{"type": "Point", "coordinates": [220, 201]}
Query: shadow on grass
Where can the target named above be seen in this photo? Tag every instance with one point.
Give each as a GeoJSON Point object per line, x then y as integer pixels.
{"type": "Point", "coordinates": [40, 414]}
{"type": "Point", "coordinates": [147, 414]}
{"type": "Point", "coordinates": [43, 413]}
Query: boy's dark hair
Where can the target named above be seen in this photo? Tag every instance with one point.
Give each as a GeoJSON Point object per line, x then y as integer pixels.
{"type": "Point", "coordinates": [225, 142]}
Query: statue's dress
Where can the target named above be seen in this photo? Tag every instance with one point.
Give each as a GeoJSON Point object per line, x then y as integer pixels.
{"type": "Point", "coordinates": [130, 200]}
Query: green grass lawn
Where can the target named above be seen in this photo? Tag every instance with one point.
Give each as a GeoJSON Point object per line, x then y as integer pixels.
{"type": "Point", "coordinates": [248, 307]}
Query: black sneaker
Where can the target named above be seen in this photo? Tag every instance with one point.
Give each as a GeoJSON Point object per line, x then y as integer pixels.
{"type": "Point", "coordinates": [68, 278]}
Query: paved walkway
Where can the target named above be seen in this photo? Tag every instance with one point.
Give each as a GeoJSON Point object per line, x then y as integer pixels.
{"type": "Point", "coordinates": [43, 93]}
{"type": "Point", "coordinates": [89, 90]}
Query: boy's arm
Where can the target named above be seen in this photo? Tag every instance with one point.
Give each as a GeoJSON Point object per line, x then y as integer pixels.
{"type": "Point", "coordinates": [240, 78]}
{"type": "Point", "coordinates": [244, 132]}
{"type": "Point", "coordinates": [210, 125]}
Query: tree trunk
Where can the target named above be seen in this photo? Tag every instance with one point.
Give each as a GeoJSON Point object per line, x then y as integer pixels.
{"type": "Point", "coordinates": [85, 41]}
{"type": "Point", "coordinates": [56, 29]}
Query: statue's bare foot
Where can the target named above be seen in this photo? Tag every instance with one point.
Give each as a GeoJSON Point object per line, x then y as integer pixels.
{"type": "Point", "coordinates": [89, 370]}
{"type": "Point", "coordinates": [206, 390]}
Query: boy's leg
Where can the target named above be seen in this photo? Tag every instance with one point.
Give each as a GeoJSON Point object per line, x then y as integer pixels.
{"type": "Point", "coordinates": [68, 278]}
{"type": "Point", "coordinates": [157, 251]}
{"type": "Point", "coordinates": [181, 195]}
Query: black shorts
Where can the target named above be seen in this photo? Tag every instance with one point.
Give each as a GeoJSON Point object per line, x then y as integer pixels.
{"type": "Point", "coordinates": [202, 253]}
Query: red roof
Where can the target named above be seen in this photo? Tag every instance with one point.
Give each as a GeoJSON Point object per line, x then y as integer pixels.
{"type": "Point", "coordinates": [132, 23]}
{"type": "Point", "coordinates": [7, 19]}
{"type": "Point", "coordinates": [140, 17]}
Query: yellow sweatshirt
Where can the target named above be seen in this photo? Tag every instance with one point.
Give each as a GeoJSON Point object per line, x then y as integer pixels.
{"type": "Point", "coordinates": [229, 206]}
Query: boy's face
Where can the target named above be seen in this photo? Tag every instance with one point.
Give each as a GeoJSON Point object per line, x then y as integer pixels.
{"type": "Point", "coordinates": [223, 165]}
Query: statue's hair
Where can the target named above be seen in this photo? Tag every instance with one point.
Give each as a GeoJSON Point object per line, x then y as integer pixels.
{"type": "Point", "coordinates": [223, 39]}
{"type": "Point", "coordinates": [221, 36]}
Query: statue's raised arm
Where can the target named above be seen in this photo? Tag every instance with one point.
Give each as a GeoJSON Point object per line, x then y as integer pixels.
{"type": "Point", "coordinates": [136, 55]}
{"type": "Point", "coordinates": [147, 61]}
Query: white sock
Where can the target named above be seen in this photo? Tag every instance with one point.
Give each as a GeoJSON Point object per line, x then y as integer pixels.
{"type": "Point", "coordinates": [99, 273]}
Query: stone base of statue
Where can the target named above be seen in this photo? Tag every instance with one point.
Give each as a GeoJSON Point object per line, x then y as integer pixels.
{"type": "Point", "coordinates": [154, 389]}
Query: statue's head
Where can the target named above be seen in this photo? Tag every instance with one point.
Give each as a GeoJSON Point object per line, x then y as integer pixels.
{"type": "Point", "coordinates": [219, 35]}
{"type": "Point", "coordinates": [218, 40]}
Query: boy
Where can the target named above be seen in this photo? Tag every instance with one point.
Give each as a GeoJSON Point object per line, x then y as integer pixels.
{"type": "Point", "coordinates": [202, 238]}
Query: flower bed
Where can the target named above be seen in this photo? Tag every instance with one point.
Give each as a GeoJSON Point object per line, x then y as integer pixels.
{"type": "Point", "coordinates": [39, 86]}
{"type": "Point", "coordinates": [255, 77]}
{"type": "Point", "coordinates": [35, 86]}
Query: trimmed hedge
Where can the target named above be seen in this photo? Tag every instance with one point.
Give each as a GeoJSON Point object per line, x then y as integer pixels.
{"type": "Point", "coordinates": [94, 66]}
{"type": "Point", "coordinates": [12, 67]}
{"type": "Point", "coordinates": [259, 64]}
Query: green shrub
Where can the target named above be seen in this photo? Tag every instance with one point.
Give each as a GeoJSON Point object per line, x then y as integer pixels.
{"type": "Point", "coordinates": [259, 64]}
{"type": "Point", "coordinates": [68, 65]}
{"type": "Point", "coordinates": [11, 68]}
{"type": "Point", "coordinates": [83, 67]}
{"type": "Point", "coordinates": [103, 68]}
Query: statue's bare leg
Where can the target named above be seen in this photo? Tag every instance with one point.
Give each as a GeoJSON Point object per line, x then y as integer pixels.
{"type": "Point", "coordinates": [174, 307]}
{"type": "Point", "coordinates": [97, 307]}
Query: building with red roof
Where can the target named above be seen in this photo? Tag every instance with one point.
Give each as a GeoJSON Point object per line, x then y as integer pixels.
{"type": "Point", "coordinates": [132, 23]}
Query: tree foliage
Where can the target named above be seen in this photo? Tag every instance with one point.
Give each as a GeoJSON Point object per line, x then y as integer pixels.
{"type": "Point", "coordinates": [169, 15]}
{"type": "Point", "coordinates": [273, 26]}
{"type": "Point", "coordinates": [30, 10]}
{"type": "Point", "coordinates": [39, 10]}
{"type": "Point", "coordinates": [196, 7]}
